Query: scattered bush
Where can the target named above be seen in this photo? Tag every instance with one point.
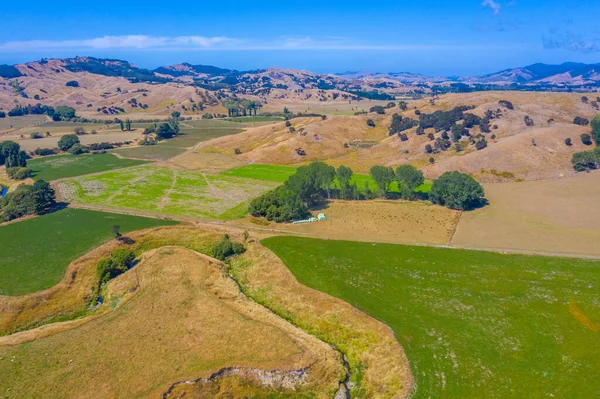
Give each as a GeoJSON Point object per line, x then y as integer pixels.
{"type": "Point", "coordinates": [586, 139]}
{"type": "Point", "coordinates": [506, 104]}
{"type": "Point", "coordinates": [378, 109]}
{"type": "Point", "coordinates": [43, 152]}
{"type": "Point", "coordinates": [226, 248]}
{"type": "Point", "coordinates": [78, 149]}
{"type": "Point", "coordinates": [581, 121]}
{"type": "Point", "coordinates": [528, 121]}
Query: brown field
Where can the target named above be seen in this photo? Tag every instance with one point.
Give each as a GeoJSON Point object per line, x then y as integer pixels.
{"type": "Point", "coordinates": [516, 152]}
{"type": "Point", "coordinates": [176, 317]}
{"type": "Point", "coordinates": [554, 216]}
{"type": "Point", "coordinates": [396, 222]}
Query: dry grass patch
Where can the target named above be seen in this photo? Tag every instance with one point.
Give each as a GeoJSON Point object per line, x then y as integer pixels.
{"type": "Point", "coordinates": [557, 216]}
{"type": "Point", "coordinates": [177, 317]}
{"type": "Point", "coordinates": [383, 221]}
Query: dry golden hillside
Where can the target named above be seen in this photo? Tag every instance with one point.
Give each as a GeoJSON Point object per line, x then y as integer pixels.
{"type": "Point", "coordinates": [514, 151]}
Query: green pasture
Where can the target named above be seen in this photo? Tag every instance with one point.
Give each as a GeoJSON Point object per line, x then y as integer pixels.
{"type": "Point", "coordinates": [272, 173]}
{"type": "Point", "coordinates": [62, 166]}
{"type": "Point", "coordinates": [35, 253]}
{"type": "Point", "coordinates": [166, 191]}
{"type": "Point", "coordinates": [473, 324]}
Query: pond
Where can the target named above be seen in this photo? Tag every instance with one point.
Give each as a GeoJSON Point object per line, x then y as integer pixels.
{"type": "Point", "coordinates": [3, 191]}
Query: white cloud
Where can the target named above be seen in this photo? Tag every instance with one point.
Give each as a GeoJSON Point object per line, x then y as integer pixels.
{"type": "Point", "coordinates": [117, 42]}
{"type": "Point", "coordinates": [202, 43]}
{"type": "Point", "coordinates": [495, 6]}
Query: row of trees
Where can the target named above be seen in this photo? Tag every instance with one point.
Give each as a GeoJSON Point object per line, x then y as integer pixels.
{"type": "Point", "coordinates": [241, 107]}
{"type": "Point", "coordinates": [27, 200]}
{"type": "Point", "coordinates": [316, 181]}
{"type": "Point", "coordinates": [61, 113]}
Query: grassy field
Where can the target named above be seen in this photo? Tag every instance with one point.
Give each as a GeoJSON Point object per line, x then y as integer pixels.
{"type": "Point", "coordinates": [250, 119]}
{"type": "Point", "coordinates": [272, 173]}
{"type": "Point", "coordinates": [280, 174]}
{"type": "Point", "coordinates": [473, 324]}
{"type": "Point", "coordinates": [18, 122]}
{"type": "Point", "coordinates": [34, 253]}
{"type": "Point", "coordinates": [165, 191]}
{"type": "Point", "coordinates": [191, 133]}
{"type": "Point", "coordinates": [175, 316]}
{"type": "Point", "coordinates": [159, 152]}
{"type": "Point", "coordinates": [61, 166]}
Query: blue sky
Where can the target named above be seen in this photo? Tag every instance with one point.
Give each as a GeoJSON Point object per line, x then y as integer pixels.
{"type": "Point", "coordinates": [432, 37]}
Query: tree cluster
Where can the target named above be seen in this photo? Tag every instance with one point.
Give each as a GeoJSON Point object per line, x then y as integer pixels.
{"type": "Point", "coordinates": [586, 160]}
{"type": "Point", "coordinates": [120, 261]}
{"type": "Point", "coordinates": [458, 191]}
{"type": "Point", "coordinates": [27, 200]}
{"type": "Point", "coordinates": [11, 155]}
{"type": "Point", "coordinates": [226, 248]}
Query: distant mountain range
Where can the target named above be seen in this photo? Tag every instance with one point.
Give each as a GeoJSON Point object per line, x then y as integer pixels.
{"type": "Point", "coordinates": [92, 83]}
{"type": "Point", "coordinates": [569, 73]}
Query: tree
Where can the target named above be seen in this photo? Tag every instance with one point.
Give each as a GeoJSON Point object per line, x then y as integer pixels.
{"type": "Point", "coordinates": [123, 258]}
{"type": "Point", "coordinates": [581, 121]}
{"type": "Point", "coordinates": [596, 129]}
{"type": "Point", "coordinates": [568, 141]}
{"type": "Point", "coordinates": [586, 139]}
{"type": "Point", "coordinates": [370, 123]}
{"type": "Point", "coordinates": [586, 160]}
{"type": "Point", "coordinates": [121, 125]}
{"type": "Point", "coordinates": [115, 230]}
{"type": "Point", "coordinates": [128, 125]}
{"type": "Point", "coordinates": [378, 109]}
{"type": "Point", "coordinates": [11, 155]}
{"type": "Point", "coordinates": [383, 177]}
{"type": "Point", "coordinates": [344, 175]}
{"type": "Point", "coordinates": [43, 196]}
{"type": "Point", "coordinates": [410, 177]}
{"type": "Point", "coordinates": [165, 131]}
{"type": "Point", "coordinates": [67, 141]}
{"type": "Point", "coordinates": [63, 113]}
{"type": "Point", "coordinates": [175, 114]}
{"type": "Point", "coordinates": [226, 248]}
{"type": "Point", "coordinates": [367, 190]}
{"type": "Point", "coordinates": [279, 205]}
{"type": "Point", "coordinates": [457, 190]}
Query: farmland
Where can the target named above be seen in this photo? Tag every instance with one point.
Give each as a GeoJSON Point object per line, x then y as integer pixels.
{"type": "Point", "coordinates": [471, 323]}
{"type": "Point", "coordinates": [62, 166]}
{"type": "Point", "coordinates": [52, 242]}
{"type": "Point", "coordinates": [164, 191]}
{"type": "Point", "coordinates": [551, 216]}
{"type": "Point", "coordinates": [187, 320]}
